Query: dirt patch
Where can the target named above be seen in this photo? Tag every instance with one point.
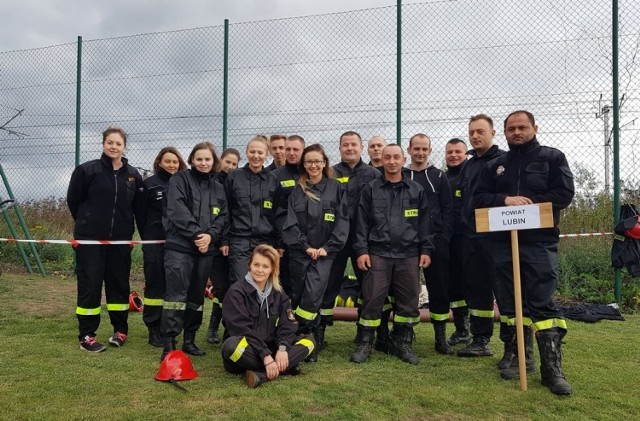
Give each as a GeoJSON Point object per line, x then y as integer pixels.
{"type": "Point", "coordinates": [36, 295]}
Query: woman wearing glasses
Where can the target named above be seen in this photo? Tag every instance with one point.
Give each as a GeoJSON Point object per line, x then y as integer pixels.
{"type": "Point", "coordinates": [316, 228]}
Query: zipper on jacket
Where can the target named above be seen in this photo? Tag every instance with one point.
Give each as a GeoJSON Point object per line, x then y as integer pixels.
{"type": "Point", "coordinates": [115, 201]}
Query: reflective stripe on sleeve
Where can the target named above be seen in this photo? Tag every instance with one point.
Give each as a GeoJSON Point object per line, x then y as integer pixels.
{"type": "Point", "coordinates": [237, 354]}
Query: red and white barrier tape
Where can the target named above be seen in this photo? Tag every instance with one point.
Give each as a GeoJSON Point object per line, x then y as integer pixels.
{"type": "Point", "coordinates": [93, 242]}
{"type": "Point", "coordinates": [135, 242]}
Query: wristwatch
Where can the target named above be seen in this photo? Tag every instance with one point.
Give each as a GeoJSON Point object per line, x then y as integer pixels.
{"type": "Point", "coordinates": [282, 348]}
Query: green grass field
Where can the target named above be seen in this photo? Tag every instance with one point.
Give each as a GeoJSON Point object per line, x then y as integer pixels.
{"type": "Point", "coordinates": [46, 377]}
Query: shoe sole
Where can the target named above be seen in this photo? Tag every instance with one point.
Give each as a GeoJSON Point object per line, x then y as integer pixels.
{"type": "Point", "coordinates": [104, 348]}
{"type": "Point", "coordinates": [251, 379]}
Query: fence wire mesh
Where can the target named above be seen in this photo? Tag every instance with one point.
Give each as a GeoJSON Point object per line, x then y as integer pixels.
{"type": "Point", "coordinates": [319, 76]}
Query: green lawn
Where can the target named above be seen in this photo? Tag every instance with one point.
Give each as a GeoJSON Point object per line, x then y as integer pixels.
{"type": "Point", "coordinates": [45, 376]}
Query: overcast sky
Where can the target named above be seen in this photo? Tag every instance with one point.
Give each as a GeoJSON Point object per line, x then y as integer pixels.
{"type": "Point", "coordinates": [40, 23]}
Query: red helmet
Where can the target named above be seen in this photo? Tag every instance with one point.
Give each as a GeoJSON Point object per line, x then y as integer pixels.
{"type": "Point", "coordinates": [634, 231]}
{"type": "Point", "coordinates": [135, 302]}
{"type": "Point", "coordinates": [176, 366]}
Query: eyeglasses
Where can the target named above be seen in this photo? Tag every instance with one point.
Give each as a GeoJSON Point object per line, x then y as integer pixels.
{"type": "Point", "coordinates": [312, 163]}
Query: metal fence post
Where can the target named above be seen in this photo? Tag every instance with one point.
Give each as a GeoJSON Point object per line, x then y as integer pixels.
{"type": "Point", "coordinates": [225, 85]}
{"type": "Point", "coordinates": [399, 73]}
{"type": "Point", "coordinates": [616, 138]}
{"type": "Point", "coordinates": [78, 88]}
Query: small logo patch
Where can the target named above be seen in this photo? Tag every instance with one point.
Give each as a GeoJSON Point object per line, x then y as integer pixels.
{"type": "Point", "coordinates": [500, 170]}
{"type": "Point", "coordinates": [291, 316]}
{"type": "Point", "coordinates": [343, 179]}
{"type": "Point", "coordinates": [267, 204]}
{"type": "Point", "coordinates": [458, 193]}
{"type": "Point", "coordinates": [215, 210]}
{"type": "Point", "coordinates": [410, 213]}
{"type": "Point", "coordinates": [330, 217]}
{"type": "Point", "coordinates": [131, 179]}
{"type": "Point", "coordinates": [288, 183]}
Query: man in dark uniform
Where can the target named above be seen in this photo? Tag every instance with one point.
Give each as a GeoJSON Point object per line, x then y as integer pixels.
{"type": "Point", "coordinates": [354, 175]}
{"type": "Point", "coordinates": [478, 263]}
{"type": "Point", "coordinates": [438, 194]}
{"type": "Point", "coordinates": [530, 173]}
{"type": "Point", "coordinates": [456, 156]}
{"type": "Point", "coordinates": [277, 151]}
{"type": "Point", "coordinates": [392, 242]}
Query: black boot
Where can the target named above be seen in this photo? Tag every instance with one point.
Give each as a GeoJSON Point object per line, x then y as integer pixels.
{"type": "Point", "coordinates": [383, 339]}
{"type": "Point", "coordinates": [318, 334]}
{"type": "Point", "coordinates": [441, 344]}
{"type": "Point", "coordinates": [189, 346]}
{"type": "Point", "coordinates": [402, 336]}
{"type": "Point", "coordinates": [154, 337]}
{"type": "Point", "coordinates": [255, 378]}
{"type": "Point", "coordinates": [461, 321]}
{"type": "Point", "coordinates": [313, 357]}
{"type": "Point", "coordinates": [214, 324]}
{"type": "Point", "coordinates": [169, 344]}
{"type": "Point", "coordinates": [364, 345]}
{"type": "Point", "coordinates": [508, 336]}
{"type": "Point", "coordinates": [512, 372]}
{"type": "Point", "coordinates": [479, 347]}
{"type": "Point", "coordinates": [551, 361]}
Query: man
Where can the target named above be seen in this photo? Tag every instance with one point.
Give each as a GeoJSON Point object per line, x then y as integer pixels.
{"type": "Point", "coordinates": [374, 149]}
{"type": "Point", "coordinates": [277, 151]}
{"type": "Point", "coordinates": [287, 177]}
{"type": "Point", "coordinates": [392, 242]}
{"type": "Point", "coordinates": [354, 175]}
{"type": "Point", "coordinates": [438, 194]}
{"type": "Point", "coordinates": [478, 263]}
{"type": "Point", "coordinates": [531, 173]}
{"type": "Point", "coordinates": [455, 156]}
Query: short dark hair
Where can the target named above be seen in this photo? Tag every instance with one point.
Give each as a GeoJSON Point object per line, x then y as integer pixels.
{"type": "Point", "coordinates": [419, 135]}
{"type": "Point", "coordinates": [297, 137]}
{"type": "Point", "coordinates": [350, 133]}
{"type": "Point", "coordinates": [276, 137]}
{"type": "Point", "coordinates": [482, 117]}
{"type": "Point", "coordinates": [456, 141]}
{"type": "Point", "coordinates": [530, 116]}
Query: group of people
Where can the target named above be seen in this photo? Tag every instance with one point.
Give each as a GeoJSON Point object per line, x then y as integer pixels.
{"type": "Point", "coordinates": [275, 242]}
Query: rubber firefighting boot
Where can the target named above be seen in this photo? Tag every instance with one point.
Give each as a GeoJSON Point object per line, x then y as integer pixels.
{"type": "Point", "coordinates": [512, 372]}
{"type": "Point", "coordinates": [214, 324]}
{"type": "Point", "coordinates": [189, 345]}
{"type": "Point", "coordinates": [441, 344]}
{"type": "Point", "coordinates": [364, 345]}
{"type": "Point", "coordinates": [551, 361]}
{"type": "Point", "coordinates": [318, 335]}
{"type": "Point", "coordinates": [154, 336]}
{"type": "Point", "coordinates": [461, 321]}
{"type": "Point", "coordinates": [255, 378]}
{"type": "Point", "coordinates": [508, 337]}
{"type": "Point", "coordinates": [169, 344]}
{"type": "Point", "coordinates": [383, 339]}
{"type": "Point", "coordinates": [313, 357]}
{"type": "Point", "coordinates": [402, 336]}
{"type": "Point", "coordinates": [479, 347]}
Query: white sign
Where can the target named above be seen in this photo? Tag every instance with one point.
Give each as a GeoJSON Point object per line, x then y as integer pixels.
{"type": "Point", "coordinates": [514, 218]}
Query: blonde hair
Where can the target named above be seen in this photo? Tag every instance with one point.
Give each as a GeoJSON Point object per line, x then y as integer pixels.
{"type": "Point", "coordinates": [260, 139]}
{"type": "Point", "coordinates": [272, 254]}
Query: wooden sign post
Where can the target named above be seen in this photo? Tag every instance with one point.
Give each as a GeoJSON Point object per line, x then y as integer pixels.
{"type": "Point", "coordinates": [515, 218]}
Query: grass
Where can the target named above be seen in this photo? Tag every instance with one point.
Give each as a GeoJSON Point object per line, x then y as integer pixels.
{"type": "Point", "coordinates": [46, 377]}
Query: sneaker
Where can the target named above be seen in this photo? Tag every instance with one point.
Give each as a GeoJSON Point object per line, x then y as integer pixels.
{"type": "Point", "coordinates": [117, 339]}
{"type": "Point", "coordinates": [89, 344]}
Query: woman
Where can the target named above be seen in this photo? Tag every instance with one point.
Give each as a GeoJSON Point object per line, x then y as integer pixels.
{"type": "Point", "coordinates": [220, 265]}
{"type": "Point", "coordinates": [260, 334]}
{"type": "Point", "coordinates": [316, 229]}
{"type": "Point", "coordinates": [103, 196]}
{"type": "Point", "coordinates": [251, 192]}
{"type": "Point", "coordinates": [196, 213]}
{"type": "Point", "coordinates": [167, 163]}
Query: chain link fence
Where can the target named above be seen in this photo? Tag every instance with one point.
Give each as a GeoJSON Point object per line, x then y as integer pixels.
{"type": "Point", "coordinates": [319, 76]}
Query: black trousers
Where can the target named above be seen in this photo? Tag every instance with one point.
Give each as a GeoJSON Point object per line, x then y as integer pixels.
{"type": "Point", "coordinates": [240, 249]}
{"type": "Point", "coordinates": [186, 276]}
{"type": "Point", "coordinates": [336, 277]}
{"type": "Point", "coordinates": [96, 264]}
{"type": "Point", "coordinates": [437, 281]}
{"type": "Point", "coordinates": [154, 283]}
{"type": "Point", "coordinates": [479, 276]}
{"type": "Point", "coordinates": [219, 276]}
{"type": "Point", "coordinates": [401, 274]}
{"type": "Point", "coordinates": [456, 272]}
{"type": "Point", "coordinates": [539, 281]}
{"type": "Point", "coordinates": [309, 280]}
{"type": "Point", "coordinates": [238, 356]}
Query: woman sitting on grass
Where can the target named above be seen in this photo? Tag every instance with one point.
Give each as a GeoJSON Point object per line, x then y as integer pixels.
{"type": "Point", "coordinates": [260, 333]}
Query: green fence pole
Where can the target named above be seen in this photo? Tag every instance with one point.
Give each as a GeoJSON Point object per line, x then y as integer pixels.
{"type": "Point", "coordinates": [78, 91]}
{"type": "Point", "coordinates": [399, 73]}
{"type": "Point", "coordinates": [22, 222]}
{"type": "Point", "coordinates": [225, 85]}
{"type": "Point", "coordinates": [14, 234]}
{"type": "Point", "coordinates": [616, 140]}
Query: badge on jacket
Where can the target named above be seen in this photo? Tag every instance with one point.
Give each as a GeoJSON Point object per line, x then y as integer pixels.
{"type": "Point", "coordinates": [290, 315]}
{"type": "Point", "coordinates": [500, 170]}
